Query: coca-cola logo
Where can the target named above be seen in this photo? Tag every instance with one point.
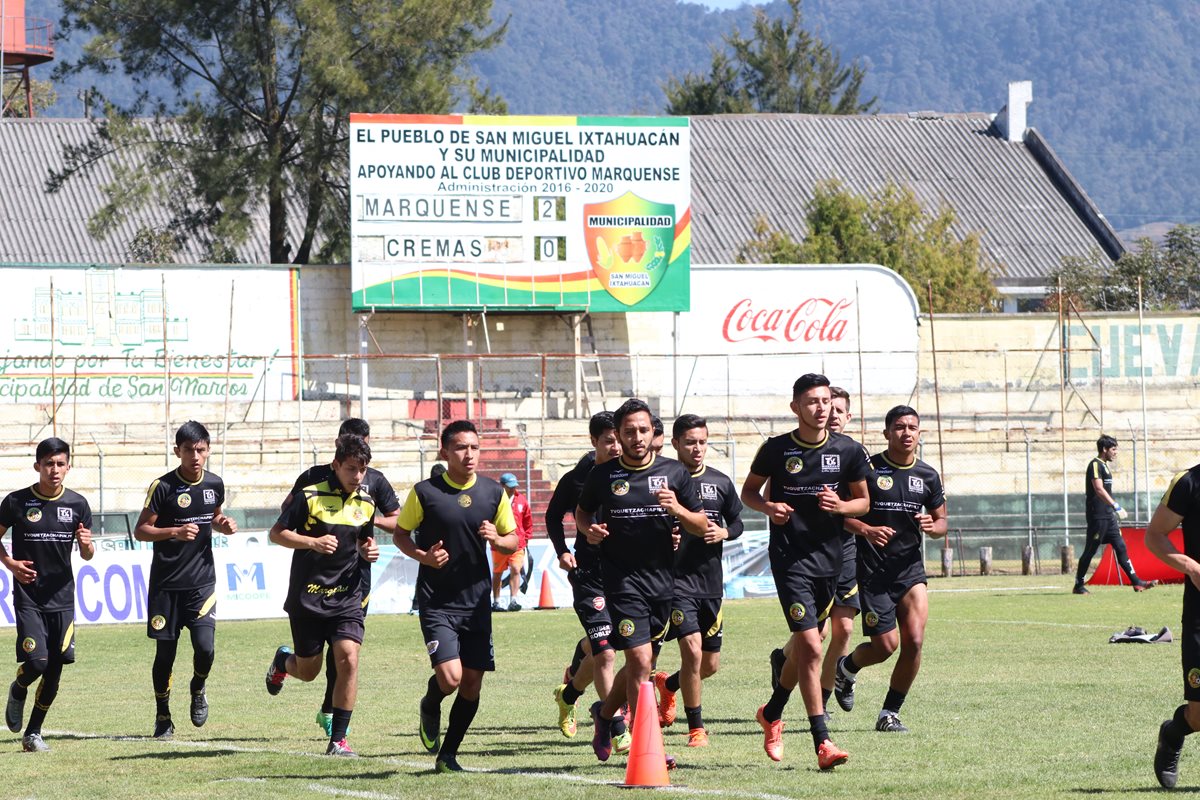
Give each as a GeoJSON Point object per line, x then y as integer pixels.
{"type": "Point", "coordinates": [813, 319]}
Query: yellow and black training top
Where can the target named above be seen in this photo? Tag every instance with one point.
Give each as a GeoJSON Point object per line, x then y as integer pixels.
{"type": "Point", "coordinates": [179, 565]}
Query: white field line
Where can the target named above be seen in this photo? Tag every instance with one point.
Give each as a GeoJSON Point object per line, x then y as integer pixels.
{"type": "Point", "coordinates": [996, 589]}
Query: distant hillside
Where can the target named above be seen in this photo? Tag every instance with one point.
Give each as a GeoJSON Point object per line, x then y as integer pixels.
{"type": "Point", "coordinates": [1113, 83]}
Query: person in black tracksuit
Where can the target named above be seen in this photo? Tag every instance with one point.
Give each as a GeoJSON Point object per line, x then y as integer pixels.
{"type": "Point", "coordinates": [1102, 515]}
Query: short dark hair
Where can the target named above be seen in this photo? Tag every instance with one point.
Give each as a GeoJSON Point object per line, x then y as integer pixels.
{"type": "Point", "coordinates": [897, 412]}
{"type": "Point", "coordinates": [685, 423]}
{"type": "Point", "coordinates": [437, 471]}
{"type": "Point", "coordinates": [359, 427]}
{"type": "Point", "coordinates": [837, 391]}
{"type": "Point", "coordinates": [630, 406]}
{"type": "Point", "coordinates": [456, 427]}
{"type": "Point", "coordinates": [600, 424]}
{"type": "Point", "coordinates": [657, 425]}
{"type": "Point", "coordinates": [807, 381]}
{"type": "Point", "coordinates": [1105, 442]}
{"type": "Point", "coordinates": [51, 447]}
{"type": "Point", "coordinates": [351, 445]}
{"type": "Point", "coordinates": [191, 432]}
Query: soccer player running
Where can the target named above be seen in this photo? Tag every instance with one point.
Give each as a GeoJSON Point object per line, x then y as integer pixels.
{"type": "Point", "coordinates": [808, 469]}
{"type": "Point", "coordinates": [699, 583]}
{"type": "Point", "coordinates": [330, 526]}
{"type": "Point", "coordinates": [46, 520]}
{"type": "Point", "coordinates": [458, 515]}
{"type": "Point", "coordinates": [627, 507]}
{"type": "Point", "coordinates": [593, 659]}
{"type": "Point", "coordinates": [907, 503]}
{"type": "Point", "coordinates": [1102, 515]}
{"type": "Point", "coordinates": [387, 508]}
{"type": "Point", "coordinates": [182, 510]}
{"type": "Point", "coordinates": [1180, 507]}
{"type": "Point", "coordinates": [515, 561]}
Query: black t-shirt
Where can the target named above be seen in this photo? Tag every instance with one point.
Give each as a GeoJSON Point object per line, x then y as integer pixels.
{"type": "Point", "coordinates": [797, 471]}
{"type": "Point", "coordinates": [1098, 509]}
{"type": "Point", "coordinates": [440, 510]}
{"type": "Point", "coordinates": [897, 494]}
{"type": "Point", "coordinates": [637, 557]}
{"type": "Point", "coordinates": [327, 585]}
{"type": "Point", "coordinates": [563, 503]}
{"type": "Point", "coordinates": [698, 570]}
{"type": "Point", "coordinates": [1183, 498]}
{"type": "Point", "coordinates": [43, 531]}
{"type": "Point", "coordinates": [179, 565]}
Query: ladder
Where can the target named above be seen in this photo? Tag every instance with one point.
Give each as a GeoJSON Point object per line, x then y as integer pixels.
{"type": "Point", "coordinates": [591, 375]}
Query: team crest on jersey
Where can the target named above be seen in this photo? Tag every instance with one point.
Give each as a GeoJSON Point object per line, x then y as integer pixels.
{"type": "Point", "coordinates": [793, 465]}
{"type": "Point", "coordinates": [915, 484]}
{"type": "Point", "coordinates": [1194, 678]}
{"type": "Point", "coordinates": [619, 488]}
{"type": "Point", "coordinates": [872, 619]}
{"type": "Point", "coordinates": [598, 603]}
{"type": "Point", "coordinates": [210, 496]}
{"type": "Point", "coordinates": [464, 500]}
{"type": "Point", "coordinates": [358, 516]}
{"type": "Point", "coordinates": [184, 500]}
{"type": "Point", "coordinates": [158, 622]}
{"type": "Point", "coordinates": [657, 483]}
{"type": "Point", "coordinates": [431, 646]}
{"type": "Point", "coordinates": [708, 491]}
{"type": "Point", "coordinates": [65, 514]}
{"type": "Point", "coordinates": [796, 611]}
{"type": "Point", "coordinates": [831, 462]}
{"type": "Point", "coordinates": [28, 644]}
{"type": "Point", "coordinates": [33, 514]}
{"type": "Point", "coordinates": [626, 628]}
{"type": "Point", "coordinates": [676, 617]}
{"type": "Point", "coordinates": [884, 482]}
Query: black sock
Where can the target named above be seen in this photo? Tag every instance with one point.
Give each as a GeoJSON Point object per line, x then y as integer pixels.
{"type": "Point", "coordinates": [341, 722]}
{"type": "Point", "coordinates": [774, 707]}
{"type": "Point", "coordinates": [848, 665]}
{"type": "Point", "coordinates": [433, 694]}
{"type": "Point", "coordinates": [47, 691]}
{"type": "Point", "coordinates": [461, 714]}
{"type": "Point", "coordinates": [1178, 726]}
{"type": "Point", "coordinates": [160, 673]}
{"type": "Point", "coordinates": [825, 694]}
{"type": "Point", "coordinates": [820, 731]}
{"type": "Point", "coordinates": [894, 700]}
{"type": "Point", "coordinates": [203, 655]}
{"type": "Point", "coordinates": [570, 694]}
{"type": "Point", "coordinates": [330, 681]}
{"type": "Point", "coordinates": [578, 658]}
{"type": "Point", "coordinates": [27, 675]}
{"type": "Point", "coordinates": [617, 728]}
{"type": "Point", "coordinates": [673, 682]}
{"type": "Point", "coordinates": [694, 717]}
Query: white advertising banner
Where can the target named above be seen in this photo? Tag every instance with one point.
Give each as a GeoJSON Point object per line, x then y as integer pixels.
{"type": "Point", "coordinates": [118, 334]}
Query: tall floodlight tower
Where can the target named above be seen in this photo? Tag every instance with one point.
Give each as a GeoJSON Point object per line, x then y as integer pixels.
{"type": "Point", "coordinates": [24, 43]}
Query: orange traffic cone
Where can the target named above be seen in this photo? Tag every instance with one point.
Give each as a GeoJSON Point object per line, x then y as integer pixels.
{"type": "Point", "coordinates": [546, 600]}
{"type": "Point", "coordinates": [647, 757]}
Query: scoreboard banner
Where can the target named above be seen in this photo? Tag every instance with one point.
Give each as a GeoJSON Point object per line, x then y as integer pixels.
{"type": "Point", "coordinates": [522, 213]}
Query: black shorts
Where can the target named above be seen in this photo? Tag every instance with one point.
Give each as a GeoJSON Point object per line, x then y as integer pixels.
{"type": "Point", "coordinates": [638, 620]}
{"type": "Point", "coordinates": [1103, 529]}
{"type": "Point", "coordinates": [700, 615]}
{"type": "Point", "coordinates": [847, 585]}
{"type": "Point", "coordinates": [591, 607]}
{"type": "Point", "coordinates": [310, 634]}
{"type": "Point", "coordinates": [169, 611]}
{"type": "Point", "coordinates": [1189, 648]}
{"type": "Point", "coordinates": [465, 635]}
{"type": "Point", "coordinates": [46, 635]}
{"type": "Point", "coordinates": [806, 600]}
{"type": "Point", "coordinates": [881, 595]}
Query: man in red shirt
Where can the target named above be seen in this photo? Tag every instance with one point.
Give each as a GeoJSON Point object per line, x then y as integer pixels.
{"type": "Point", "coordinates": [516, 561]}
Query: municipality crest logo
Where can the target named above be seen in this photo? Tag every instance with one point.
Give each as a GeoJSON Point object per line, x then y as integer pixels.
{"type": "Point", "coordinates": [676, 617]}
{"type": "Point", "coordinates": [872, 619]}
{"type": "Point", "coordinates": [629, 241]}
{"type": "Point", "coordinates": [796, 611]}
{"type": "Point", "coordinates": [33, 514]}
{"type": "Point", "coordinates": [619, 488]}
{"type": "Point", "coordinates": [884, 482]}
{"type": "Point", "coordinates": [1193, 678]}
{"type": "Point", "coordinates": [793, 465]}
{"type": "Point", "coordinates": [183, 500]}
{"type": "Point", "coordinates": [28, 644]}
{"type": "Point", "coordinates": [158, 622]}
{"type": "Point", "coordinates": [464, 500]}
{"type": "Point", "coordinates": [625, 628]}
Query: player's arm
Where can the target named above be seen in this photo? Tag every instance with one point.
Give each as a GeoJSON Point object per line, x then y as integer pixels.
{"type": "Point", "coordinates": [556, 511]}
{"type": "Point", "coordinates": [1102, 493]}
{"type": "Point", "coordinates": [83, 535]}
{"type": "Point", "coordinates": [23, 571]}
{"type": "Point", "coordinates": [858, 504]}
{"type": "Point", "coordinates": [387, 522]}
{"type": "Point", "coordinates": [752, 497]}
{"type": "Point", "coordinates": [501, 530]}
{"type": "Point", "coordinates": [1159, 543]}
{"type": "Point", "coordinates": [286, 531]}
{"type": "Point", "coordinates": [411, 516]}
{"type": "Point", "coordinates": [934, 523]}
{"type": "Point", "coordinates": [223, 523]}
{"type": "Point", "coordinates": [147, 529]}
{"type": "Point", "coordinates": [387, 507]}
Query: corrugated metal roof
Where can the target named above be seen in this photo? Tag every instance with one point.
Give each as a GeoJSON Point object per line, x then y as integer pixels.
{"type": "Point", "coordinates": [52, 228]}
{"type": "Point", "coordinates": [744, 166]}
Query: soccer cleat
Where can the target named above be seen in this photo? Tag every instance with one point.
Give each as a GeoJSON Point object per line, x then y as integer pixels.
{"type": "Point", "coordinates": [341, 748]}
{"type": "Point", "coordinates": [843, 687]}
{"type": "Point", "coordinates": [430, 728]}
{"type": "Point", "coordinates": [697, 737]}
{"type": "Point", "coordinates": [621, 742]}
{"type": "Point", "coordinates": [275, 675]}
{"type": "Point", "coordinates": [496, 606]}
{"type": "Point", "coordinates": [1166, 758]}
{"type": "Point", "coordinates": [772, 735]}
{"type": "Point", "coordinates": [447, 764]}
{"type": "Point", "coordinates": [325, 721]}
{"type": "Point", "coordinates": [777, 658]}
{"type": "Point", "coordinates": [666, 701]}
{"type": "Point", "coordinates": [33, 743]}
{"type": "Point", "coordinates": [671, 763]}
{"type": "Point", "coordinates": [199, 708]}
{"type": "Point", "coordinates": [15, 709]}
{"type": "Point", "coordinates": [890, 723]}
{"type": "Point", "coordinates": [566, 713]}
{"type": "Point", "coordinates": [1142, 586]}
{"type": "Point", "coordinates": [1080, 589]}
{"type": "Point", "coordinates": [163, 728]}
{"type": "Point", "coordinates": [830, 756]}
{"type": "Point", "coordinates": [602, 744]}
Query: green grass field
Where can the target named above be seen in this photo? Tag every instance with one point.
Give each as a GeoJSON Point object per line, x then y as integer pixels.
{"type": "Point", "coordinates": [1020, 695]}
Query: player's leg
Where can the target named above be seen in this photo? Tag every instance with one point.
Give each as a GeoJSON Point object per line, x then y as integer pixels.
{"type": "Point", "coordinates": [164, 624]}
{"type": "Point", "coordinates": [515, 563]}
{"type": "Point", "coordinates": [309, 635]}
{"type": "Point", "coordinates": [880, 628]}
{"type": "Point", "coordinates": [1186, 719]}
{"type": "Point", "coordinates": [841, 629]}
{"type": "Point", "coordinates": [60, 628]}
{"type": "Point", "coordinates": [913, 611]}
{"type": "Point", "coordinates": [203, 655]}
{"type": "Point", "coordinates": [345, 644]}
{"type": "Point", "coordinates": [477, 657]}
{"type": "Point", "coordinates": [440, 630]}
{"type": "Point", "coordinates": [1121, 553]}
{"type": "Point", "coordinates": [325, 714]}
{"type": "Point", "coordinates": [33, 654]}
{"type": "Point", "coordinates": [1092, 543]}
{"type": "Point", "coordinates": [499, 561]}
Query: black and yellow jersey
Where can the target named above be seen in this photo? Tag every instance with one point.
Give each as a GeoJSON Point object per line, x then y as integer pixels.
{"type": "Point", "coordinates": [1097, 508]}
{"type": "Point", "coordinates": [179, 565]}
{"type": "Point", "coordinates": [797, 471]}
{"type": "Point", "coordinates": [327, 585]}
{"type": "Point", "coordinates": [898, 493]}
{"type": "Point", "coordinates": [1183, 498]}
{"type": "Point", "coordinates": [698, 571]}
{"type": "Point", "coordinates": [441, 510]}
{"type": "Point", "coordinates": [562, 504]}
{"type": "Point", "coordinates": [43, 531]}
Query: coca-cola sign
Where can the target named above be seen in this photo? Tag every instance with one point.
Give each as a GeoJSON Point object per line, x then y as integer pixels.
{"type": "Point", "coordinates": [812, 319]}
